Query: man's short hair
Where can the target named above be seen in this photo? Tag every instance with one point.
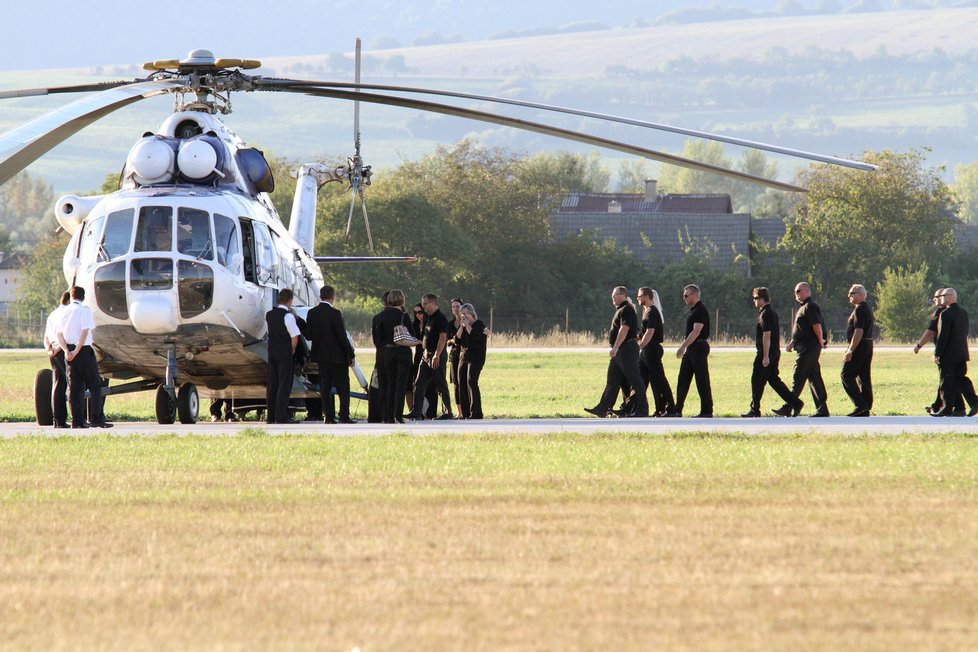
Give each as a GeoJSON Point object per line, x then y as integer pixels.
{"type": "Point", "coordinates": [621, 289]}
{"type": "Point", "coordinates": [695, 289]}
{"type": "Point", "coordinates": [65, 298]}
{"type": "Point", "coordinates": [78, 293]}
{"type": "Point", "coordinates": [858, 288]}
{"type": "Point", "coordinates": [645, 291]}
{"type": "Point", "coordinates": [428, 298]}
{"type": "Point", "coordinates": [326, 293]}
{"type": "Point", "coordinates": [763, 293]}
{"type": "Point", "coordinates": [285, 295]}
{"type": "Point", "coordinates": [395, 298]}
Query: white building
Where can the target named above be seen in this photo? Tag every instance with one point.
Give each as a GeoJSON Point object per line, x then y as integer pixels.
{"type": "Point", "coordinates": [12, 270]}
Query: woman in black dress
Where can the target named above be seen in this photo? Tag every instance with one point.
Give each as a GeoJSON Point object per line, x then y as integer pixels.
{"type": "Point", "coordinates": [650, 352]}
{"type": "Point", "coordinates": [394, 359]}
{"type": "Point", "coordinates": [472, 342]}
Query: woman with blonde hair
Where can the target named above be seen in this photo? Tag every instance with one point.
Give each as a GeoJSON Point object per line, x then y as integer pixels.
{"type": "Point", "coordinates": [471, 337]}
{"type": "Point", "coordinates": [650, 352]}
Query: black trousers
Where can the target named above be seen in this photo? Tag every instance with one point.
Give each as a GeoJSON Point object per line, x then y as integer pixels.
{"type": "Point", "coordinates": [83, 374]}
{"type": "Point", "coordinates": [454, 361]}
{"type": "Point", "coordinates": [335, 374]}
{"type": "Point", "coordinates": [624, 374]}
{"type": "Point", "coordinates": [763, 376]}
{"type": "Point", "coordinates": [653, 374]}
{"type": "Point", "coordinates": [695, 363]}
{"type": "Point", "coordinates": [856, 377]}
{"type": "Point", "coordinates": [469, 372]}
{"type": "Point", "coordinates": [394, 374]}
{"type": "Point", "coordinates": [280, 374]}
{"type": "Point", "coordinates": [425, 377]}
{"type": "Point", "coordinates": [59, 388]}
{"type": "Point", "coordinates": [808, 369]}
{"type": "Point", "coordinates": [956, 385]}
{"type": "Point", "coordinates": [217, 405]}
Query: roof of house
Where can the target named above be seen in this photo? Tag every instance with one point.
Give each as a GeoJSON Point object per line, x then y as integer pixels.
{"type": "Point", "coordinates": [18, 260]}
{"type": "Point", "coordinates": [597, 202]}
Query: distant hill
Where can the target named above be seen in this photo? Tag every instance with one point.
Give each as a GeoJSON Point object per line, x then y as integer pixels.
{"type": "Point", "coordinates": [837, 84]}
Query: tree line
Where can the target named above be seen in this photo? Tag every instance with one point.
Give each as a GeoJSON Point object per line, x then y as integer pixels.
{"type": "Point", "coordinates": [478, 219]}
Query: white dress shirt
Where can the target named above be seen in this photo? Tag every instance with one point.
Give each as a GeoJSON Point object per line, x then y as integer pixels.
{"type": "Point", "coordinates": [52, 326]}
{"type": "Point", "coordinates": [290, 323]}
{"type": "Point", "coordinates": [77, 318]}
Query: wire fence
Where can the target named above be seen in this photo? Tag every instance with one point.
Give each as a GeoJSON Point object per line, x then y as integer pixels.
{"type": "Point", "coordinates": [22, 330]}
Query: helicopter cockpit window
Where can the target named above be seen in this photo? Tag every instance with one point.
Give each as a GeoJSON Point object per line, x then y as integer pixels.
{"type": "Point", "coordinates": [226, 231]}
{"type": "Point", "coordinates": [118, 233]}
{"type": "Point", "coordinates": [194, 233]}
{"type": "Point", "coordinates": [155, 230]}
{"type": "Point", "coordinates": [89, 245]}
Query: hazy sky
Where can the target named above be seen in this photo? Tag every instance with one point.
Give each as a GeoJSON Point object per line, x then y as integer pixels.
{"type": "Point", "coordinates": [69, 33]}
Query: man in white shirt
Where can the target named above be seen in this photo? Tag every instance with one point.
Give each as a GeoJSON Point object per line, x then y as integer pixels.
{"type": "Point", "coordinates": [283, 337]}
{"type": "Point", "coordinates": [56, 356]}
{"type": "Point", "coordinates": [75, 337]}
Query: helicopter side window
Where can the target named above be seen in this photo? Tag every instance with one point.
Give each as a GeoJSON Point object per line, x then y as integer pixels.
{"type": "Point", "coordinates": [194, 233]}
{"type": "Point", "coordinates": [88, 246]}
{"type": "Point", "coordinates": [226, 231]}
{"type": "Point", "coordinates": [155, 229]}
{"type": "Point", "coordinates": [267, 261]}
{"type": "Point", "coordinates": [248, 250]}
{"type": "Point", "coordinates": [118, 233]}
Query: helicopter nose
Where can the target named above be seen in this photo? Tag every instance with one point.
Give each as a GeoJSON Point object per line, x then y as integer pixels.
{"type": "Point", "coordinates": [154, 313]}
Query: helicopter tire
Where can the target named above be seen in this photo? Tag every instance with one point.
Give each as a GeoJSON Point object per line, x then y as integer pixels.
{"type": "Point", "coordinates": [43, 384]}
{"type": "Point", "coordinates": [166, 410]}
{"type": "Point", "coordinates": [188, 403]}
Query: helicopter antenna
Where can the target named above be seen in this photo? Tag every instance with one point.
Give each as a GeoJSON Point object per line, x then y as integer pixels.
{"type": "Point", "coordinates": [359, 173]}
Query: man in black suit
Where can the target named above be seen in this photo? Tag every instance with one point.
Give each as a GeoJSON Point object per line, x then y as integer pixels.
{"type": "Point", "coordinates": [856, 370]}
{"type": "Point", "coordinates": [283, 337]}
{"type": "Point", "coordinates": [333, 353]}
{"type": "Point", "coordinates": [951, 356]}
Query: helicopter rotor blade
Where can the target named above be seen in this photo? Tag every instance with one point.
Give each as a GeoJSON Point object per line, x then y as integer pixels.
{"type": "Point", "coordinates": [54, 90]}
{"type": "Point", "coordinates": [356, 104]}
{"type": "Point", "coordinates": [742, 142]}
{"type": "Point", "coordinates": [23, 145]}
{"type": "Point", "coordinates": [527, 125]}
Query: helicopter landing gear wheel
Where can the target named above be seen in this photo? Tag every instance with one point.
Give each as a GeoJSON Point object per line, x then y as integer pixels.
{"type": "Point", "coordinates": [188, 403]}
{"type": "Point", "coordinates": [166, 409]}
{"type": "Point", "coordinates": [43, 382]}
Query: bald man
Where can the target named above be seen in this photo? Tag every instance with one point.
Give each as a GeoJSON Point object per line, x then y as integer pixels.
{"type": "Point", "coordinates": [858, 359]}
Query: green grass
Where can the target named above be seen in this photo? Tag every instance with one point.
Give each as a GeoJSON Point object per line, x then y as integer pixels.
{"type": "Point", "coordinates": [555, 384]}
{"type": "Point", "coordinates": [489, 542]}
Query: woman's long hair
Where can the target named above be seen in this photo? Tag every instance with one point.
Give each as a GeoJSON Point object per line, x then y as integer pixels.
{"type": "Point", "coordinates": [658, 305]}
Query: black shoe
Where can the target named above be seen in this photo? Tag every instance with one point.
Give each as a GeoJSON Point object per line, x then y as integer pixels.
{"type": "Point", "coordinates": [821, 413]}
{"type": "Point", "coordinates": [861, 412]}
{"type": "Point", "coordinates": [636, 415]}
{"type": "Point", "coordinates": [704, 415]}
{"type": "Point", "coordinates": [959, 413]}
{"type": "Point", "coordinates": [783, 411]}
{"type": "Point", "coordinates": [796, 410]}
{"type": "Point", "coordinates": [330, 421]}
{"type": "Point", "coordinates": [411, 416]}
{"type": "Point", "coordinates": [596, 412]}
{"type": "Point", "coordinates": [444, 417]}
{"type": "Point", "coordinates": [233, 418]}
{"type": "Point", "coordinates": [621, 414]}
{"type": "Point", "coordinates": [61, 425]}
{"type": "Point", "coordinates": [671, 414]}
{"type": "Point", "coordinates": [751, 414]}
{"type": "Point", "coordinates": [79, 425]}
{"type": "Point", "coordinates": [973, 411]}
{"type": "Point", "coordinates": [347, 420]}
{"type": "Point", "coordinates": [941, 413]}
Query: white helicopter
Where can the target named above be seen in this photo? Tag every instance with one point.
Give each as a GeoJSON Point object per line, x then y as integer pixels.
{"type": "Point", "coordinates": [181, 264]}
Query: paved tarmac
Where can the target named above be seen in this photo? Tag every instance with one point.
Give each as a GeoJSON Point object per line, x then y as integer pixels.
{"type": "Point", "coordinates": [763, 426]}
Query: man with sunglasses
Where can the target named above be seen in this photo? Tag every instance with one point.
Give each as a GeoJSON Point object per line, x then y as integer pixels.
{"type": "Point", "coordinates": [931, 334]}
{"type": "Point", "coordinates": [856, 376]}
{"type": "Point", "coordinates": [695, 351]}
{"type": "Point", "coordinates": [807, 340]}
{"type": "Point", "coordinates": [768, 343]}
{"type": "Point", "coordinates": [623, 367]}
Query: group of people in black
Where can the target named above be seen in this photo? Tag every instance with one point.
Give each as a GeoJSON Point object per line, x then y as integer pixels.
{"type": "Point", "coordinates": [412, 357]}
{"type": "Point", "coordinates": [636, 356]}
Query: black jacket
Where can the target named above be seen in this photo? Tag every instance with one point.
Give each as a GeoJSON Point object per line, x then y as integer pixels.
{"type": "Point", "coordinates": [326, 331]}
{"type": "Point", "coordinates": [952, 335]}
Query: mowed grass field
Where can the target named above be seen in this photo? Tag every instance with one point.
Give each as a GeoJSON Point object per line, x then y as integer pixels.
{"type": "Point", "coordinates": [556, 542]}
{"type": "Point", "coordinates": [561, 384]}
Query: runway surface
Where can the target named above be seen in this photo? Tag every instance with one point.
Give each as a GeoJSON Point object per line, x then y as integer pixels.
{"type": "Point", "coordinates": [762, 426]}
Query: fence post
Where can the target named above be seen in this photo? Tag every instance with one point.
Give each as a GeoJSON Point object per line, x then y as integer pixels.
{"type": "Point", "coordinates": [566, 325]}
{"type": "Point", "coordinates": [491, 331]}
{"type": "Point", "coordinates": [716, 337]}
